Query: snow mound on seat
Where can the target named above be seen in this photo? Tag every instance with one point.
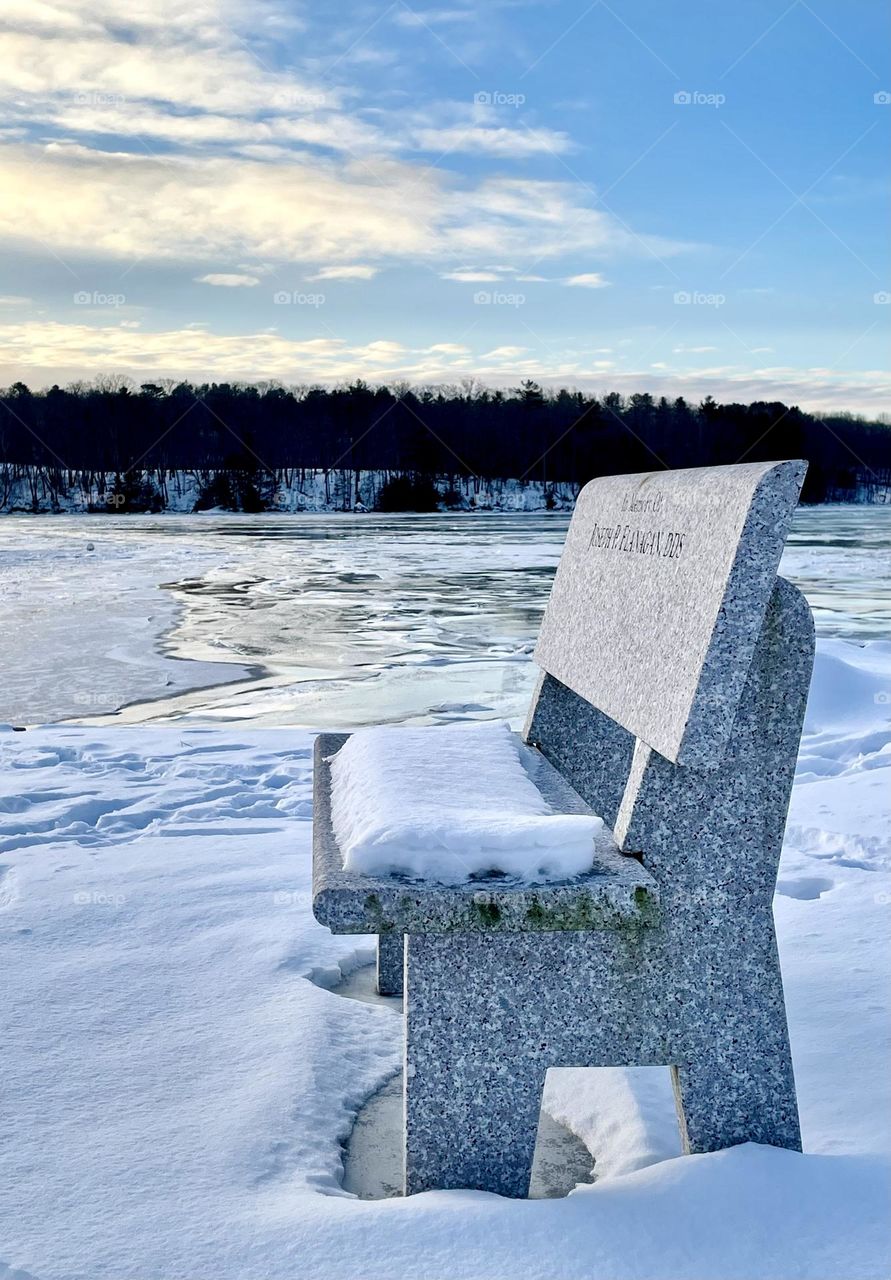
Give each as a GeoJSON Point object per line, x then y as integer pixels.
{"type": "Point", "coordinates": [449, 802]}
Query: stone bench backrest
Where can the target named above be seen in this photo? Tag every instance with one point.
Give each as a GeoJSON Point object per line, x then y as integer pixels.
{"type": "Point", "coordinates": [660, 596]}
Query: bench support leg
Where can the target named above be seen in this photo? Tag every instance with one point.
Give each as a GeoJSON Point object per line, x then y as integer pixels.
{"type": "Point", "coordinates": [389, 964]}
{"type": "Point", "coordinates": [720, 1104]}
{"type": "Point", "coordinates": [471, 1117]}
{"type": "Point", "coordinates": [738, 1086]}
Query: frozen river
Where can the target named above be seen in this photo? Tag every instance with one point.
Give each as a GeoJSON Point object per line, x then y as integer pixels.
{"type": "Point", "coordinates": [327, 621]}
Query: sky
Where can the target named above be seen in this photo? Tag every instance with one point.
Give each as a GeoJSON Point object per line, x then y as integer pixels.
{"type": "Point", "coordinates": [687, 198]}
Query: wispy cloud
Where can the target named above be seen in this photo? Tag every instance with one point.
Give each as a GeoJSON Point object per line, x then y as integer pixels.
{"type": "Point", "coordinates": [418, 16]}
{"type": "Point", "coordinates": [79, 200]}
{"type": "Point", "coordinates": [471, 277]}
{"type": "Point", "coordinates": [228, 280]}
{"type": "Point", "coordinates": [349, 271]}
{"type": "Point", "coordinates": [588, 280]}
{"type": "Point", "coordinates": [491, 140]}
{"type": "Point", "coordinates": [194, 351]}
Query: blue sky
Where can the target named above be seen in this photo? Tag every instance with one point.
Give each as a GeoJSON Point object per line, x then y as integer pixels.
{"type": "Point", "coordinates": [684, 198]}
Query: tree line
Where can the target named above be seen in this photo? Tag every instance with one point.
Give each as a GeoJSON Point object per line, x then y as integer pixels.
{"type": "Point", "coordinates": [242, 438]}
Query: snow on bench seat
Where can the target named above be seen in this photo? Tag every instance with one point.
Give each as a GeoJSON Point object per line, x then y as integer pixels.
{"type": "Point", "coordinates": [449, 802]}
{"type": "Point", "coordinates": [613, 892]}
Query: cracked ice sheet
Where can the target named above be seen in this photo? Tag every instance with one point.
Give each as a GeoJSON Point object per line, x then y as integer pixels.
{"type": "Point", "coordinates": [176, 1087]}
{"type": "Point", "coordinates": [84, 617]}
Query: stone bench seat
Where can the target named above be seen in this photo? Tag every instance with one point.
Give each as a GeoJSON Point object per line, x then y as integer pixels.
{"type": "Point", "coordinates": [674, 670]}
{"type": "Point", "coordinates": [617, 893]}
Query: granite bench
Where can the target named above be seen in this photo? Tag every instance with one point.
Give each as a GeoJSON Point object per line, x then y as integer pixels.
{"type": "Point", "coordinates": [675, 667]}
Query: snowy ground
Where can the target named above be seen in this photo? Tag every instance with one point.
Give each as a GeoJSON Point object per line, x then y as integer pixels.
{"type": "Point", "coordinates": [178, 1076]}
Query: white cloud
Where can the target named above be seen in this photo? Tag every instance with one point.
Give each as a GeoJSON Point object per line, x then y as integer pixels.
{"type": "Point", "coordinates": [42, 351]}
{"type": "Point", "coordinates": [381, 352]}
{"type": "Point", "coordinates": [588, 280]}
{"type": "Point", "coordinates": [691, 350]}
{"type": "Point", "coordinates": [471, 277]}
{"type": "Point", "coordinates": [197, 63]}
{"type": "Point", "coordinates": [309, 209]}
{"type": "Point", "coordinates": [221, 155]}
{"type": "Point", "coordinates": [281, 130]}
{"type": "Point", "coordinates": [418, 17]}
{"type": "Point", "coordinates": [228, 279]}
{"type": "Point", "coordinates": [349, 271]}
{"type": "Point", "coordinates": [13, 300]}
{"type": "Point", "coordinates": [498, 141]}
{"type": "Point", "coordinates": [503, 353]}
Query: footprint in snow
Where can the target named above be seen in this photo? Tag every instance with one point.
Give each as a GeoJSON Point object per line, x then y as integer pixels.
{"type": "Point", "coordinates": [804, 888]}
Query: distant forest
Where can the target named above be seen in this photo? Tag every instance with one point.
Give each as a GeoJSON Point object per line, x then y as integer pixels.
{"type": "Point", "coordinates": [243, 439]}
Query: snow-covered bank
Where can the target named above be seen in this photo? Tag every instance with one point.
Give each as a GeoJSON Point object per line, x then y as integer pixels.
{"type": "Point", "coordinates": [178, 1076]}
{"type": "Point", "coordinates": [288, 490]}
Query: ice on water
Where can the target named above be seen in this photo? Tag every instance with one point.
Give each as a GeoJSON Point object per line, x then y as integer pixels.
{"type": "Point", "coordinates": [328, 622]}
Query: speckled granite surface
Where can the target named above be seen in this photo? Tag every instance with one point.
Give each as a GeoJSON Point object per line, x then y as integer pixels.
{"type": "Point", "coordinates": [659, 597]}
{"type": "Point", "coordinates": [389, 977]}
{"type": "Point", "coordinates": [616, 893]}
{"type": "Point", "coordinates": [701, 992]}
{"type": "Point", "coordinates": [667, 960]}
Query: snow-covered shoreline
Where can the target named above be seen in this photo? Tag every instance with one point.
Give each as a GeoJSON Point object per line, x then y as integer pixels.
{"type": "Point", "coordinates": [289, 491]}
{"type": "Point", "coordinates": [179, 1075]}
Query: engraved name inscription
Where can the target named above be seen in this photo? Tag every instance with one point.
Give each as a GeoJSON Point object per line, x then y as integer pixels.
{"type": "Point", "coordinates": [667, 543]}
